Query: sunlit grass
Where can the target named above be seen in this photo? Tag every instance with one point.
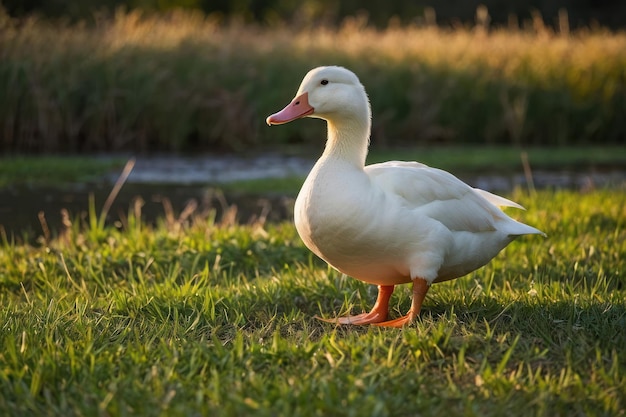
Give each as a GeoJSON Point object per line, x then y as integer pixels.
{"type": "Point", "coordinates": [184, 81]}
{"type": "Point", "coordinates": [54, 170]}
{"type": "Point", "coordinates": [199, 317]}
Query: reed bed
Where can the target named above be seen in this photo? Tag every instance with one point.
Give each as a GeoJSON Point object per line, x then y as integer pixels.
{"type": "Point", "coordinates": [186, 82]}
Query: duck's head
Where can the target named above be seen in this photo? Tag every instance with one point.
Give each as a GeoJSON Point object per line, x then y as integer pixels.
{"type": "Point", "coordinates": [329, 93]}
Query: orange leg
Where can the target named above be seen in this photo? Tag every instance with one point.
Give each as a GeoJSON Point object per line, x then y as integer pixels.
{"type": "Point", "coordinates": [420, 288]}
{"type": "Point", "coordinates": [378, 313]}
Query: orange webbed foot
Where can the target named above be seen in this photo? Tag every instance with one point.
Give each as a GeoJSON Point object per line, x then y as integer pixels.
{"type": "Point", "coordinates": [378, 314]}
{"type": "Point", "coordinates": [420, 288]}
{"type": "Point", "coordinates": [360, 319]}
{"type": "Point", "coordinates": [399, 322]}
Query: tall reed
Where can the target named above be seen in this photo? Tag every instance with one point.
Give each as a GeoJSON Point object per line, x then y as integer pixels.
{"type": "Point", "coordinates": [182, 82]}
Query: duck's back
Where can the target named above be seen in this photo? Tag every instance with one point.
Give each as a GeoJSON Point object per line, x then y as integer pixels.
{"type": "Point", "coordinates": [442, 196]}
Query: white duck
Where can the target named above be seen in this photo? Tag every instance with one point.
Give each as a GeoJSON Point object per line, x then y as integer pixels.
{"type": "Point", "coordinates": [389, 223]}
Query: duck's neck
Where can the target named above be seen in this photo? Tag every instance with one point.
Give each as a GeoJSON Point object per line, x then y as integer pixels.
{"type": "Point", "coordinates": [348, 140]}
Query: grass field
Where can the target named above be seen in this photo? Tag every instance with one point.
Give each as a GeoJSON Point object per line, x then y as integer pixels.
{"type": "Point", "coordinates": [198, 317]}
{"type": "Point", "coordinates": [54, 170]}
{"type": "Point", "coordinates": [184, 82]}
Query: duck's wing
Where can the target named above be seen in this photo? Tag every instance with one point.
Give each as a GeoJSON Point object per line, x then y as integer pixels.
{"type": "Point", "coordinates": [439, 195]}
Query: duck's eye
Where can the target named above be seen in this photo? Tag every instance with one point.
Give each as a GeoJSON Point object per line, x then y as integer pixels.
{"type": "Point", "coordinates": [324, 82]}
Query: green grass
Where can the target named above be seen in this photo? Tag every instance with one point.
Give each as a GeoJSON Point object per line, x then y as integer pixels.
{"type": "Point", "coordinates": [55, 170]}
{"type": "Point", "coordinates": [207, 318]}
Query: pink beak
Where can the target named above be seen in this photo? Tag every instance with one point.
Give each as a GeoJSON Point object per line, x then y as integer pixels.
{"type": "Point", "coordinates": [299, 107]}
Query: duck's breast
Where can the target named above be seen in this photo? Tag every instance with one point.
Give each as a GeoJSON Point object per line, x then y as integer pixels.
{"type": "Point", "coordinates": [365, 231]}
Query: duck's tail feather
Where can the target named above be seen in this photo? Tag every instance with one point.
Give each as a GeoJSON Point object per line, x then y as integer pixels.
{"type": "Point", "coordinates": [498, 201]}
{"type": "Point", "coordinates": [515, 228]}
{"type": "Point", "coordinates": [519, 229]}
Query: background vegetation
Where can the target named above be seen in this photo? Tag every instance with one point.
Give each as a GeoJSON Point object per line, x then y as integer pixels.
{"type": "Point", "coordinates": [581, 13]}
{"type": "Point", "coordinates": [186, 82]}
{"type": "Point", "coordinates": [197, 317]}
